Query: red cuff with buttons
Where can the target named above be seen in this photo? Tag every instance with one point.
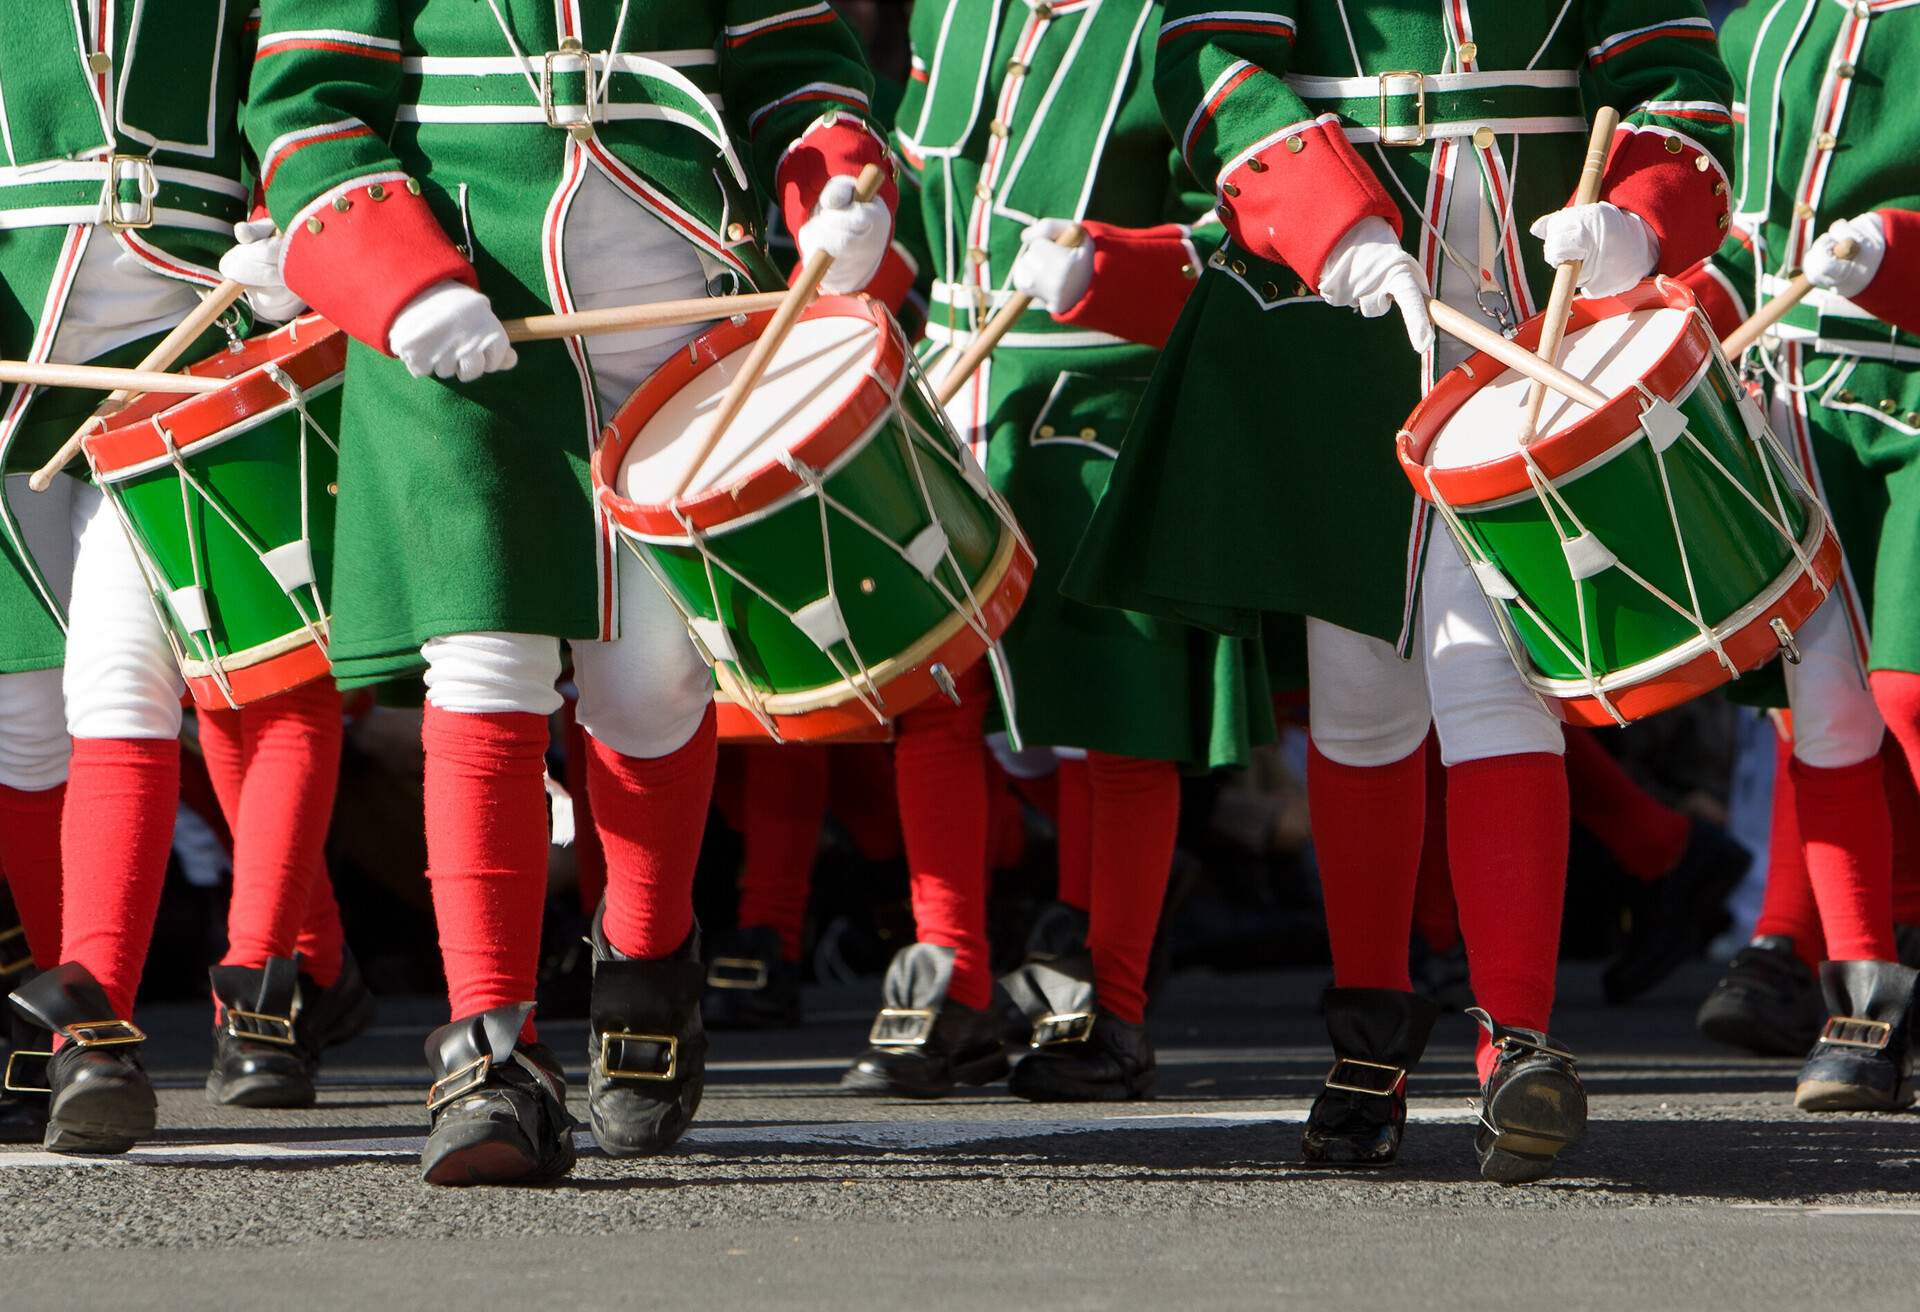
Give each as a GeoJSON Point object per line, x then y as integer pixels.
{"type": "Point", "coordinates": [834, 145]}
{"type": "Point", "coordinates": [1894, 294]}
{"type": "Point", "coordinates": [360, 256]}
{"type": "Point", "coordinates": [1715, 296]}
{"type": "Point", "coordinates": [1676, 187]}
{"type": "Point", "coordinates": [1141, 280]}
{"type": "Point", "coordinates": [1294, 197]}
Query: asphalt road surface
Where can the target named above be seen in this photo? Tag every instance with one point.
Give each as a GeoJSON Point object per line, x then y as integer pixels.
{"type": "Point", "coordinates": [1699, 1187]}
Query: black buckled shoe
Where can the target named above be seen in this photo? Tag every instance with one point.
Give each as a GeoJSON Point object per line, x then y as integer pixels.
{"type": "Point", "coordinates": [646, 1047]}
{"type": "Point", "coordinates": [924, 1043]}
{"type": "Point", "coordinates": [258, 1059]}
{"type": "Point", "coordinates": [100, 1099]}
{"type": "Point", "coordinates": [335, 1014]}
{"type": "Point", "coordinates": [23, 1078]}
{"type": "Point", "coordinates": [1906, 944]}
{"type": "Point", "coordinates": [1360, 1114]}
{"type": "Point", "coordinates": [750, 983]}
{"type": "Point", "coordinates": [1078, 1052]}
{"type": "Point", "coordinates": [1863, 1059]}
{"type": "Point", "coordinates": [1532, 1107]}
{"type": "Point", "coordinates": [1766, 1003]}
{"type": "Point", "coordinates": [499, 1106]}
{"type": "Point", "coordinates": [1672, 916]}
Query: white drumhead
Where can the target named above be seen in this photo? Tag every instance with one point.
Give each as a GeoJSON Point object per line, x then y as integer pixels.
{"type": "Point", "coordinates": [1611, 356]}
{"type": "Point", "coordinates": [820, 365]}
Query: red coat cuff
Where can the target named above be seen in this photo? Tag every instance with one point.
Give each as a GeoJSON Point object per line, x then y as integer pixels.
{"type": "Point", "coordinates": [1894, 294]}
{"type": "Point", "coordinates": [1718, 299]}
{"type": "Point", "coordinates": [891, 285]}
{"type": "Point", "coordinates": [836, 144]}
{"type": "Point", "coordinates": [361, 264]}
{"type": "Point", "coordinates": [1670, 181]}
{"type": "Point", "coordinates": [1292, 197]}
{"type": "Point", "coordinates": [1141, 280]}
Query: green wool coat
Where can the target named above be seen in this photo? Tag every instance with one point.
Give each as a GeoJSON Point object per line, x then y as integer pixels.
{"type": "Point", "coordinates": [1826, 134]}
{"type": "Point", "coordinates": [1016, 113]}
{"type": "Point", "coordinates": [130, 116]}
{"type": "Point", "coordinates": [1259, 475]}
{"type": "Point", "coordinates": [468, 507]}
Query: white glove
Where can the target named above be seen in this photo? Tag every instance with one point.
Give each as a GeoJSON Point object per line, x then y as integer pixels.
{"type": "Point", "coordinates": [450, 331]}
{"type": "Point", "coordinates": [1055, 276]}
{"type": "Point", "coordinates": [1615, 247]}
{"type": "Point", "coordinates": [255, 265]}
{"type": "Point", "coordinates": [855, 233]}
{"type": "Point", "coordinates": [1370, 271]}
{"type": "Point", "coordinates": [1848, 277]}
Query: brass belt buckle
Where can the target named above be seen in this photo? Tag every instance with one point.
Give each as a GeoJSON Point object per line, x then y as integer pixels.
{"type": "Point", "coordinates": [459, 1083]}
{"type": "Point", "coordinates": [104, 1033]}
{"type": "Point", "coordinates": [1419, 90]}
{"type": "Point", "coordinates": [1062, 1027]}
{"type": "Point", "coordinates": [15, 1084]}
{"type": "Point", "coordinates": [569, 49]}
{"type": "Point", "coordinates": [668, 1041]}
{"type": "Point", "coordinates": [260, 1027]}
{"type": "Point", "coordinates": [737, 973]}
{"type": "Point", "coordinates": [1349, 1075]}
{"type": "Point", "coordinates": [901, 1027]}
{"type": "Point", "coordinates": [111, 213]}
{"type": "Point", "coordinates": [1853, 1032]}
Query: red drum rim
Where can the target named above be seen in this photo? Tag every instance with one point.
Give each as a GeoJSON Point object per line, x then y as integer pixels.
{"type": "Point", "coordinates": [713, 507]}
{"type": "Point", "coordinates": [1580, 443]}
{"type": "Point", "coordinates": [262, 679]}
{"type": "Point", "coordinates": [1748, 647]}
{"type": "Point", "coordinates": [850, 721]}
{"type": "Point", "coordinates": [310, 351]}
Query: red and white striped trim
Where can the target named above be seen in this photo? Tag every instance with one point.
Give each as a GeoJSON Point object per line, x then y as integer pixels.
{"type": "Point", "coordinates": [333, 39]}
{"type": "Point", "coordinates": [1701, 111]}
{"type": "Point", "coordinates": [852, 97]}
{"type": "Point", "coordinates": [1223, 86]}
{"type": "Point", "coordinates": [1248, 21]}
{"type": "Point", "coordinates": [738, 34]}
{"type": "Point", "coordinates": [1689, 29]}
{"type": "Point", "coordinates": [288, 144]}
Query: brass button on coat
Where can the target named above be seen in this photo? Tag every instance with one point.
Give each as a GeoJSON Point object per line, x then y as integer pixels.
{"type": "Point", "coordinates": [100, 62]}
{"type": "Point", "coordinates": [1296, 143]}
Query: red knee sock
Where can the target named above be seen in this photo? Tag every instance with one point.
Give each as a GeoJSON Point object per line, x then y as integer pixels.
{"type": "Point", "coordinates": [1135, 817]}
{"type": "Point", "coordinates": [1643, 835]}
{"type": "Point", "coordinates": [652, 814]}
{"type": "Point", "coordinates": [1434, 912]}
{"type": "Point", "coordinates": [863, 799]}
{"type": "Point", "coordinates": [1786, 904]}
{"type": "Point", "coordinates": [1507, 838]}
{"type": "Point", "coordinates": [940, 763]}
{"type": "Point", "coordinates": [1897, 694]}
{"type": "Point", "coordinates": [1368, 825]}
{"type": "Point", "coordinates": [322, 942]}
{"type": "Point", "coordinates": [1075, 834]}
{"type": "Point", "coordinates": [117, 829]}
{"type": "Point", "coordinates": [30, 860]}
{"type": "Point", "coordinates": [1849, 845]}
{"type": "Point", "coordinates": [487, 836]}
{"type": "Point", "coordinates": [786, 806]}
{"type": "Point", "coordinates": [589, 860]}
{"type": "Point", "coordinates": [275, 765]}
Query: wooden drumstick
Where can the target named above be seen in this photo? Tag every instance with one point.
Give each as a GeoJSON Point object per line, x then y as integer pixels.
{"type": "Point", "coordinates": [1513, 355]}
{"type": "Point", "coordinates": [1553, 326]}
{"type": "Point", "coordinates": [1775, 310]}
{"type": "Point", "coordinates": [161, 357]}
{"type": "Point", "coordinates": [761, 354]}
{"type": "Point", "coordinates": [99, 379]}
{"type": "Point", "coordinates": [627, 318]}
{"type": "Point", "coordinates": [989, 337]}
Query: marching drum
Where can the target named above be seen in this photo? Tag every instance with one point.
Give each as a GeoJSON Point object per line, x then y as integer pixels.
{"type": "Point", "coordinates": [1636, 556]}
{"type": "Point", "coordinates": [229, 501]}
{"type": "Point", "coordinates": [839, 557]}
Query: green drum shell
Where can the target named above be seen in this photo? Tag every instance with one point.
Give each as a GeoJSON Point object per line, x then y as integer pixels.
{"type": "Point", "coordinates": [252, 472]}
{"type": "Point", "coordinates": [787, 552]}
{"type": "Point", "coordinates": [1734, 553]}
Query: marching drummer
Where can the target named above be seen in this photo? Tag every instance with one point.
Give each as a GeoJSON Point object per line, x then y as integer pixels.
{"type": "Point", "coordinates": [131, 190]}
{"type": "Point", "coordinates": [1020, 122]}
{"type": "Point", "coordinates": [1345, 184]}
{"type": "Point", "coordinates": [1831, 191]}
{"type": "Point", "coordinates": [510, 171]}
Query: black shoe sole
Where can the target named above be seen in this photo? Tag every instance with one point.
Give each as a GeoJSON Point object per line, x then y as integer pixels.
{"type": "Point", "coordinates": [1540, 1114]}
{"type": "Point", "coordinates": [1078, 1091]}
{"type": "Point", "coordinates": [98, 1120]}
{"type": "Point", "coordinates": [1739, 1028]}
{"type": "Point", "coordinates": [1834, 1096]}
{"type": "Point", "coordinates": [481, 1155]}
{"type": "Point", "coordinates": [979, 1071]}
{"type": "Point", "coordinates": [261, 1091]}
